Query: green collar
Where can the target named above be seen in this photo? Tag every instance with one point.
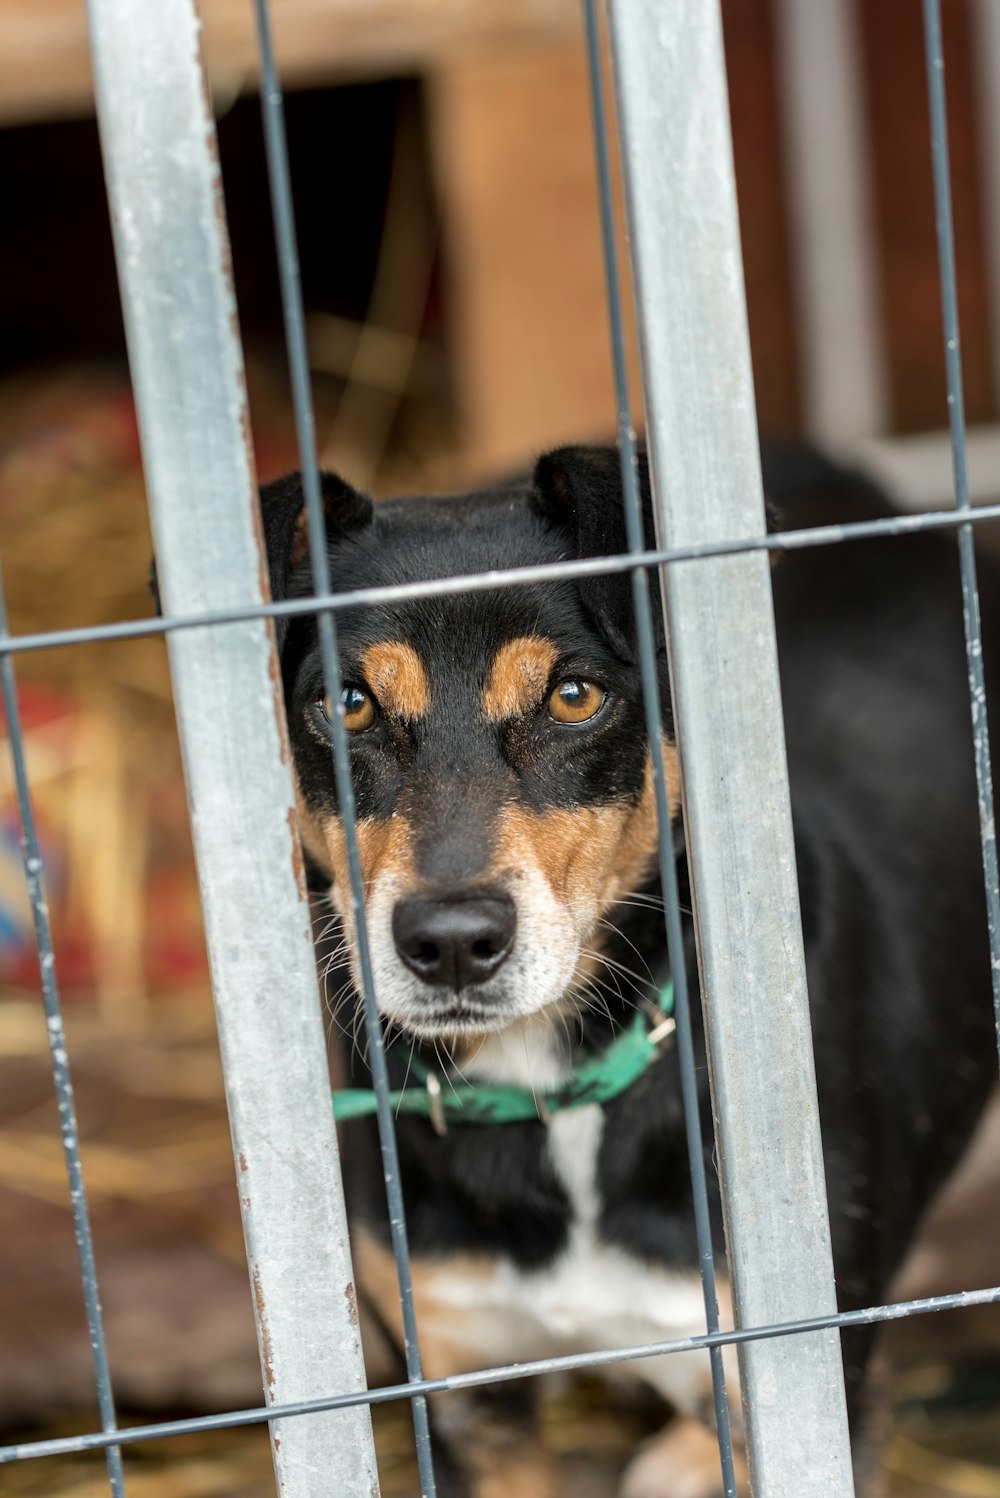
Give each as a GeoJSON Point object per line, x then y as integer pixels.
{"type": "Point", "coordinates": [596, 1079]}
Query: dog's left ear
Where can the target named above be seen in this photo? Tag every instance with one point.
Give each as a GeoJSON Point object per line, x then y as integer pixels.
{"type": "Point", "coordinates": [579, 490]}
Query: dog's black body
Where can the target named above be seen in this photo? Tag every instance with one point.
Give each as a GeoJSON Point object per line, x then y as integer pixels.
{"type": "Point", "coordinates": [886, 829]}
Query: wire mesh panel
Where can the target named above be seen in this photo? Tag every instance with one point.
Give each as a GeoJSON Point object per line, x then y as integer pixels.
{"type": "Point", "coordinates": [187, 371]}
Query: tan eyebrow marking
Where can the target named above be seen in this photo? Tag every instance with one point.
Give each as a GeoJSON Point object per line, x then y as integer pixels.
{"type": "Point", "coordinates": [518, 677]}
{"type": "Point", "coordinates": [396, 675]}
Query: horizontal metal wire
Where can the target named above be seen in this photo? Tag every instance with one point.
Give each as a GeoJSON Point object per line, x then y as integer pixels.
{"type": "Point", "coordinates": [509, 577]}
{"type": "Point", "coordinates": [94, 1441]}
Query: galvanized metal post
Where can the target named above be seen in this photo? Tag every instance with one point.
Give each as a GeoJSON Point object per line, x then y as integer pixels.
{"type": "Point", "coordinates": [674, 119]}
{"type": "Point", "coordinates": [158, 139]}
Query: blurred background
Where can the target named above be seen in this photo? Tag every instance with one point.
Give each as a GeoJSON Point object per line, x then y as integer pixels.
{"type": "Point", "coordinates": [446, 202]}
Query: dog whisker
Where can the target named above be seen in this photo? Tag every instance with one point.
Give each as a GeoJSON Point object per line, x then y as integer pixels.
{"type": "Point", "coordinates": [591, 1000]}
{"type": "Point", "coordinates": [610, 926]}
{"type": "Point", "coordinates": [335, 1022]}
{"type": "Point", "coordinates": [640, 898]}
{"type": "Point", "coordinates": [362, 1053]}
{"type": "Point", "coordinates": [444, 1064]}
{"type": "Point", "coordinates": [634, 980]}
{"type": "Point", "coordinates": [406, 1076]}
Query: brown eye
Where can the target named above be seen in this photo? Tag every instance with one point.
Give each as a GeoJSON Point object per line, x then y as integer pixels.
{"type": "Point", "coordinates": [358, 709]}
{"type": "Point", "coordinates": [575, 701]}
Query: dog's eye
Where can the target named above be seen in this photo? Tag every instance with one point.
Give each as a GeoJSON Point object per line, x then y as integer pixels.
{"type": "Point", "coordinates": [575, 701]}
{"type": "Point", "coordinates": [359, 710]}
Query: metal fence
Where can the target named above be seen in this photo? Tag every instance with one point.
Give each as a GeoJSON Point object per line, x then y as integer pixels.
{"type": "Point", "coordinates": [158, 141]}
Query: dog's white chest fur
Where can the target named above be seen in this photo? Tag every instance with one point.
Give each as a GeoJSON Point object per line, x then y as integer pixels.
{"type": "Point", "coordinates": [595, 1296]}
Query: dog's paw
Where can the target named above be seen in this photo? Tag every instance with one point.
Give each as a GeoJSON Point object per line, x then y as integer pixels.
{"type": "Point", "coordinates": [681, 1462]}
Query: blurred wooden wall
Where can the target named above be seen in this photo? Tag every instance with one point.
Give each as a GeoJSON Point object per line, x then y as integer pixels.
{"type": "Point", "coordinates": [512, 156]}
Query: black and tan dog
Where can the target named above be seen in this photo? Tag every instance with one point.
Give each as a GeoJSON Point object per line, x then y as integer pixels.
{"type": "Point", "coordinates": [507, 836]}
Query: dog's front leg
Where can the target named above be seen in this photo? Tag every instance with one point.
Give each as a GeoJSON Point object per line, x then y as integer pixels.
{"type": "Point", "coordinates": [491, 1444]}
{"type": "Point", "coordinates": [486, 1440]}
{"type": "Point", "coordinates": [681, 1461]}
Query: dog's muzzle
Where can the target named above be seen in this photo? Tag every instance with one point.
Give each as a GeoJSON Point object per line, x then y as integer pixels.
{"type": "Point", "coordinates": [455, 940]}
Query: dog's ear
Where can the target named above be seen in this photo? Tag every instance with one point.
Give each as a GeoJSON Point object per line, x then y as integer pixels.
{"type": "Point", "coordinates": [286, 537]}
{"type": "Point", "coordinates": [286, 531]}
{"type": "Point", "coordinates": [579, 490]}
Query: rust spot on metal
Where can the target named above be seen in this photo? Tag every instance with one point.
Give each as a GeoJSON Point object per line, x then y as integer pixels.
{"type": "Point", "coordinates": [218, 201]}
{"type": "Point", "coordinates": [298, 862]}
{"type": "Point", "coordinates": [265, 1334]}
{"type": "Point", "coordinates": [274, 672]}
{"type": "Point", "coordinates": [243, 1160]}
{"type": "Point", "coordinates": [352, 1302]}
{"type": "Point", "coordinates": [246, 431]}
{"type": "Point", "coordinates": [263, 576]}
{"type": "Point", "coordinates": [278, 697]}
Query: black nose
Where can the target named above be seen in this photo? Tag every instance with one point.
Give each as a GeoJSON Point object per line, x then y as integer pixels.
{"type": "Point", "coordinates": [454, 940]}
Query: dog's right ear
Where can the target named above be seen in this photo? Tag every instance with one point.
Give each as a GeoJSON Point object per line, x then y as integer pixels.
{"type": "Point", "coordinates": [286, 531]}
{"type": "Point", "coordinates": [578, 490]}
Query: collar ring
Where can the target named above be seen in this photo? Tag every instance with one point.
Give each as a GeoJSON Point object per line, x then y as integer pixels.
{"type": "Point", "coordinates": [435, 1105]}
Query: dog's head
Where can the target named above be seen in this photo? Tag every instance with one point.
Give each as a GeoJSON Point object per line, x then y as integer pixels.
{"type": "Point", "coordinates": [498, 749]}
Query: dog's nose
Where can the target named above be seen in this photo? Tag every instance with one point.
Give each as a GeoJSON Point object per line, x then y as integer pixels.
{"type": "Point", "coordinates": [454, 940]}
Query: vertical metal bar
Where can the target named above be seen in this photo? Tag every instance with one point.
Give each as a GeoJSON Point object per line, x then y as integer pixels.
{"type": "Point", "coordinates": [158, 140]}
{"type": "Point", "coordinates": [680, 190]}
{"type": "Point", "coordinates": [653, 712]}
{"type": "Point", "coordinates": [956, 421]}
{"type": "Point", "coordinates": [291, 293]}
{"type": "Point", "coordinates": [34, 874]}
{"type": "Point", "coordinates": [843, 366]}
